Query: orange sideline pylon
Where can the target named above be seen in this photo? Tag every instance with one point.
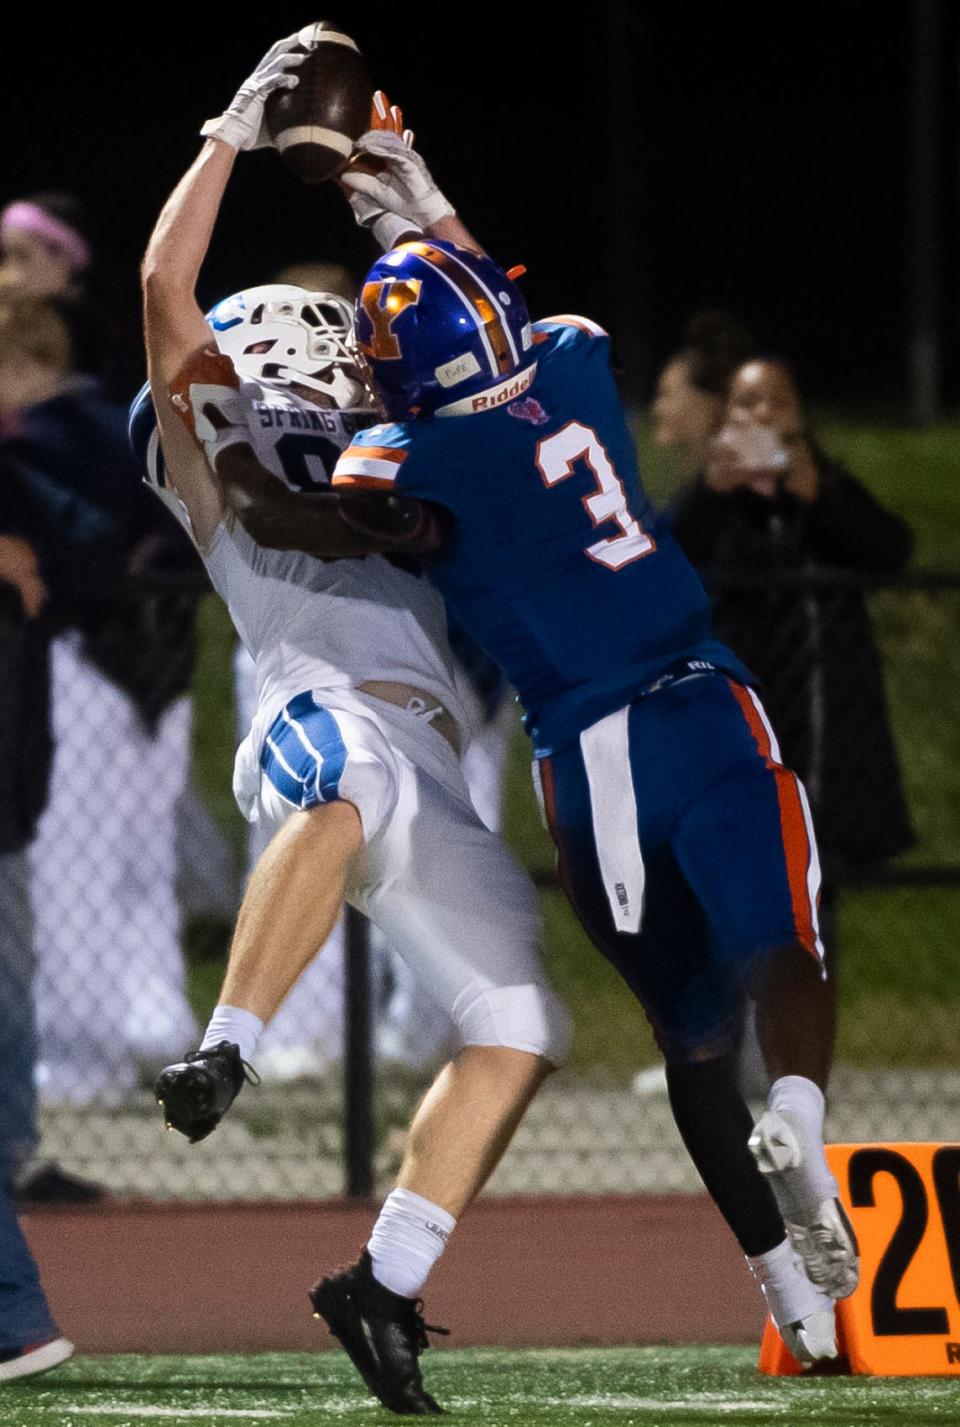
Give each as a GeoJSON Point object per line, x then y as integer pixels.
{"type": "Point", "coordinates": [904, 1318]}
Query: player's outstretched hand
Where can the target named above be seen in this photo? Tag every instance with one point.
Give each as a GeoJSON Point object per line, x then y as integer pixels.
{"type": "Point", "coordinates": [403, 184]}
{"type": "Point", "coordinates": [242, 125]}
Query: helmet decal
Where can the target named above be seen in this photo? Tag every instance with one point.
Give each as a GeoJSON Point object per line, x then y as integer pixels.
{"type": "Point", "coordinates": [383, 303]}
{"type": "Point", "coordinates": [227, 313]}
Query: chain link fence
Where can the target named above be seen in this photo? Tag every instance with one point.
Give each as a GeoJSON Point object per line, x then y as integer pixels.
{"type": "Point", "coordinates": [125, 897]}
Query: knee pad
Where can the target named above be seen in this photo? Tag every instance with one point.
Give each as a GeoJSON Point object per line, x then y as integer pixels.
{"type": "Point", "coordinates": [529, 1018]}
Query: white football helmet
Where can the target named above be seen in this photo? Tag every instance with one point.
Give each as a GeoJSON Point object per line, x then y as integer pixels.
{"type": "Point", "coordinates": [284, 335]}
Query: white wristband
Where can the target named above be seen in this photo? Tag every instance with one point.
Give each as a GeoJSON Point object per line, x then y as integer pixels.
{"type": "Point", "coordinates": [389, 228]}
{"type": "Point", "coordinates": [434, 207]}
{"type": "Point", "coordinates": [226, 129]}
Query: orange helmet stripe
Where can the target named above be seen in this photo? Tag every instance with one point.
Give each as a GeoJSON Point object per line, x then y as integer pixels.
{"type": "Point", "coordinates": [505, 355]}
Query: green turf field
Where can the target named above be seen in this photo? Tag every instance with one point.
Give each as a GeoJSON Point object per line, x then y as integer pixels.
{"type": "Point", "coordinates": [649, 1387]}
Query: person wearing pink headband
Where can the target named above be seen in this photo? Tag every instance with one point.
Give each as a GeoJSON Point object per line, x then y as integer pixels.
{"type": "Point", "coordinates": [40, 251]}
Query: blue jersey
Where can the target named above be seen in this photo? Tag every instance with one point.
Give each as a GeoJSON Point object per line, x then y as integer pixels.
{"type": "Point", "coordinates": [557, 567]}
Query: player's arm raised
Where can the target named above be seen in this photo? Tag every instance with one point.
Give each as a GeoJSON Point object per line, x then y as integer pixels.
{"type": "Point", "coordinates": [400, 199]}
{"type": "Point", "coordinates": [174, 324]}
{"type": "Point", "coordinates": [179, 242]}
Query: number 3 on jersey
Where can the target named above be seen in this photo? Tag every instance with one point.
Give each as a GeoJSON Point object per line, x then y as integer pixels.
{"type": "Point", "coordinates": [556, 459]}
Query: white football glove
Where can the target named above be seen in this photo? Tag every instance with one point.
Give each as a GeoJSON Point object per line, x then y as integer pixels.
{"type": "Point", "coordinates": [387, 228]}
{"type": "Point", "coordinates": [405, 187]}
{"type": "Point", "coordinates": [242, 124]}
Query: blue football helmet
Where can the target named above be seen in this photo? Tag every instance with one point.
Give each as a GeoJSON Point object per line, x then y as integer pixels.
{"type": "Point", "coordinates": [439, 325]}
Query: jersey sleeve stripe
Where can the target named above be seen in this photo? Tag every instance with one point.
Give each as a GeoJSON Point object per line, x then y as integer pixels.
{"type": "Point", "coordinates": [378, 453]}
{"type": "Point", "coordinates": [367, 482]}
{"type": "Point", "coordinates": [366, 468]}
{"type": "Point", "coordinates": [584, 323]}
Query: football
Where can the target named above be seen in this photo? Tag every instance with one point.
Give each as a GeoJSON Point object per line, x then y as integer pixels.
{"type": "Point", "coordinates": [315, 125]}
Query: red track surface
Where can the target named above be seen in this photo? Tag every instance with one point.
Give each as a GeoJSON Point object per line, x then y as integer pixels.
{"type": "Point", "coordinates": [553, 1271]}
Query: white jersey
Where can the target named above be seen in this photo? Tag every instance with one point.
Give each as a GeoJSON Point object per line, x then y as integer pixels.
{"type": "Point", "coordinates": [309, 624]}
{"type": "Point", "coordinates": [316, 632]}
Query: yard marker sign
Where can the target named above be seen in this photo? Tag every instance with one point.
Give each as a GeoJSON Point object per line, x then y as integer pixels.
{"type": "Point", "coordinates": [904, 1318]}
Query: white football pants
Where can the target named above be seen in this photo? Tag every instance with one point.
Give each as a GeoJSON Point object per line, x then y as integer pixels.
{"type": "Point", "coordinates": [444, 890]}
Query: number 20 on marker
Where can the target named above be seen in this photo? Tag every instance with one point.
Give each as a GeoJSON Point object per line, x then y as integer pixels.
{"type": "Point", "coordinates": [904, 1201]}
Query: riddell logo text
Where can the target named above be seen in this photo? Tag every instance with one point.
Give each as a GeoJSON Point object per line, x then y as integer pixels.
{"type": "Point", "coordinates": [503, 394]}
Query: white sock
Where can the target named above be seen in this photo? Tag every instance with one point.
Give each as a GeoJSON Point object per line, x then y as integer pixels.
{"type": "Point", "coordinates": [409, 1236]}
{"type": "Point", "coordinates": [789, 1293]}
{"type": "Point", "coordinates": [801, 1191]}
{"type": "Point", "coordinates": [230, 1023]}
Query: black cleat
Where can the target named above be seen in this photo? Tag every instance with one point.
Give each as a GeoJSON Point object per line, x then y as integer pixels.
{"type": "Point", "coordinates": [383, 1334]}
{"type": "Point", "coordinates": [197, 1093]}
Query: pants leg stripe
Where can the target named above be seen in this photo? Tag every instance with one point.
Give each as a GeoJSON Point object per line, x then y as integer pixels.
{"type": "Point", "coordinates": [796, 824]}
{"type": "Point", "coordinates": [605, 748]}
{"type": "Point", "coordinates": [813, 869]}
{"type": "Point", "coordinates": [775, 754]}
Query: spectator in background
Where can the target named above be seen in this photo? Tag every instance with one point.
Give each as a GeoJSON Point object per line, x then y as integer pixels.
{"type": "Point", "coordinates": [25, 755]}
{"type": "Point", "coordinates": [110, 977]}
{"type": "Point", "coordinates": [29, 1339]}
{"type": "Point", "coordinates": [35, 517]}
{"type": "Point", "coordinates": [769, 499]}
{"type": "Point", "coordinates": [43, 248]}
{"type": "Point", "coordinates": [320, 277]}
{"type": "Point", "coordinates": [691, 396]}
{"type": "Point", "coordinates": [46, 250]}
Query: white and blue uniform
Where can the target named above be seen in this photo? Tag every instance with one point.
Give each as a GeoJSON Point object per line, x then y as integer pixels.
{"type": "Point", "coordinates": [443, 889]}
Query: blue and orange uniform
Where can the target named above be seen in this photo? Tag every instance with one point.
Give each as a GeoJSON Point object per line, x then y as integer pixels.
{"type": "Point", "coordinates": [684, 845]}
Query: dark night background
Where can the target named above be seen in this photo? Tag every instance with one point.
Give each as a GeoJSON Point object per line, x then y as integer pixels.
{"type": "Point", "coordinates": [640, 159]}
